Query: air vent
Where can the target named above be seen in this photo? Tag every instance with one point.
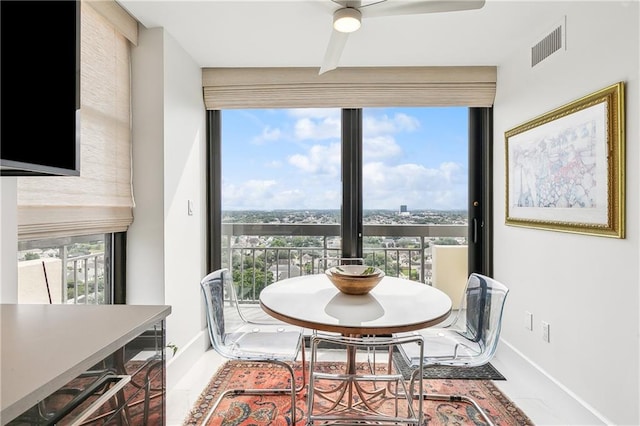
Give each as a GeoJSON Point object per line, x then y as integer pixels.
{"type": "Point", "coordinates": [550, 44]}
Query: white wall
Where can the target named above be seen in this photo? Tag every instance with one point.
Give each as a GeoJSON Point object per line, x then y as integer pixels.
{"type": "Point", "coordinates": [586, 287]}
{"type": "Point", "coordinates": [145, 237]}
{"type": "Point", "coordinates": [166, 245]}
{"type": "Point", "coordinates": [8, 240]}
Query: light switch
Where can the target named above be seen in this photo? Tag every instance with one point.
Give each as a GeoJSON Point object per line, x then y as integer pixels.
{"type": "Point", "coordinates": [545, 331]}
{"type": "Point", "coordinates": [190, 207]}
{"type": "Point", "coordinates": [528, 320]}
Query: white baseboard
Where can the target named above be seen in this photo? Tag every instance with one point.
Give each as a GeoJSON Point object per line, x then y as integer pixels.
{"type": "Point", "coordinates": [186, 357]}
{"type": "Point", "coordinates": [563, 405]}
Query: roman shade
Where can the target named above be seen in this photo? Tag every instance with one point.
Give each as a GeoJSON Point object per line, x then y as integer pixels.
{"type": "Point", "coordinates": [100, 200]}
{"type": "Point", "coordinates": [358, 87]}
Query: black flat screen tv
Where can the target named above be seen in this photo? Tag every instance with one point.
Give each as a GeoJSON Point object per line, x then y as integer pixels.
{"type": "Point", "coordinates": [39, 88]}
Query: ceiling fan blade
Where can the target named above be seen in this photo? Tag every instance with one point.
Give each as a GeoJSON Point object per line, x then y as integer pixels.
{"type": "Point", "coordinates": [408, 7]}
{"type": "Point", "coordinates": [336, 45]}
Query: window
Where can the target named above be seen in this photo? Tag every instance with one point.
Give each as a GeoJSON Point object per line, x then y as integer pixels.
{"type": "Point", "coordinates": [405, 187]}
{"type": "Point", "coordinates": [415, 182]}
{"type": "Point", "coordinates": [58, 215]}
{"type": "Point", "coordinates": [351, 90]}
{"type": "Point", "coordinates": [66, 270]}
{"type": "Point", "coordinates": [281, 193]}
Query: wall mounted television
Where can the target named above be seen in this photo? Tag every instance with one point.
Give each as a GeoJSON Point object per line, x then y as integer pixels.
{"type": "Point", "coordinates": [40, 88]}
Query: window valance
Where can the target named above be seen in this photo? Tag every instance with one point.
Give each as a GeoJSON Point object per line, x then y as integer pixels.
{"type": "Point", "coordinates": [357, 87]}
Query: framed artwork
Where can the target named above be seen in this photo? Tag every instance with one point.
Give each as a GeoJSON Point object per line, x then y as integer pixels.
{"type": "Point", "coordinates": [566, 169]}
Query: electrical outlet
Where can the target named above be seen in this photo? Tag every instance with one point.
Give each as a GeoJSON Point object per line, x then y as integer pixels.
{"type": "Point", "coordinates": [545, 332]}
{"type": "Point", "coordinates": [528, 320]}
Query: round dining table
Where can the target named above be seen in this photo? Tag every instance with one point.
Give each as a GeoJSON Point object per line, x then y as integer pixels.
{"type": "Point", "coordinates": [395, 305]}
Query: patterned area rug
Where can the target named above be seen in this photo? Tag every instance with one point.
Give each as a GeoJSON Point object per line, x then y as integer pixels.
{"type": "Point", "coordinates": [248, 410]}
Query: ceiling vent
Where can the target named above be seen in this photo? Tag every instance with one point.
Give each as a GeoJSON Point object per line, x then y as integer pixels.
{"type": "Point", "coordinates": [551, 43]}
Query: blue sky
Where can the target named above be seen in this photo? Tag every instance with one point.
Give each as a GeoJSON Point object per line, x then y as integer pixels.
{"type": "Point", "coordinates": [290, 158]}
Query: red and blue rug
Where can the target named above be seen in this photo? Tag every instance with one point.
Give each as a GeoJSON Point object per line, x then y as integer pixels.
{"type": "Point", "coordinates": [252, 410]}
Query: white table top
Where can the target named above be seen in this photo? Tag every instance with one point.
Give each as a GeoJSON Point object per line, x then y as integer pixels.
{"type": "Point", "coordinates": [45, 346]}
{"type": "Point", "coordinates": [394, 305]}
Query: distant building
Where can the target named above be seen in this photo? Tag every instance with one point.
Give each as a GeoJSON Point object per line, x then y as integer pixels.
{"type": "Point", "coordinates": [403, 208]}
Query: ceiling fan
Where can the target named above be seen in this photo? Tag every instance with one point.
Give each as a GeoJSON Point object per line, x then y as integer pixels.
{"type": "Point", "coordinates": [348, 18]}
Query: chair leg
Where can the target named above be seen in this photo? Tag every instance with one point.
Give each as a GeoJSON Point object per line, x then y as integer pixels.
{"type": "Point", "coordinates": [448, 398]}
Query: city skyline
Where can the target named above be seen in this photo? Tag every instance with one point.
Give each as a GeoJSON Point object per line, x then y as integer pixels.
{"type": "Point", "coordinates": [290, 159]}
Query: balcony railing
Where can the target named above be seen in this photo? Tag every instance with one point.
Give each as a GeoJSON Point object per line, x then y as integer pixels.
{"type": "Point", "coordinates": [260, 254]}
{"type": "Point", "coordinates": [66, 270]}
{"type": "Point", "coordinates": [85, 280]}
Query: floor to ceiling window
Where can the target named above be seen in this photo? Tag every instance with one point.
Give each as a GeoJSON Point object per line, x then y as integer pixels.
{"type": "Point", "coordinates": [390, 185]}
{"type": "Point", "coordinates": [386, 184]}
{"type": "Point", "coordinates": [381, 156]}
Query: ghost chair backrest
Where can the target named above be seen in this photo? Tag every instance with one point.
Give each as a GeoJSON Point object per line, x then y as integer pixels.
{"type": "Point", "coordinates": [480, 319]}
{"type": "Point", "coordinates": [221, 307]}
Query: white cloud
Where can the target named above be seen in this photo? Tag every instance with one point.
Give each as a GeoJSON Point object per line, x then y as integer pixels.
{"type": "Point", "coordinates": [316, 123]}
{"type": "Point", "coordinates": [315, 113]}
{"type": "Point", "coordinates": [325, 123]}
{"type": "Point", "coordinates": [310, 129]}
{"type": "Point", "coordinates": [268, 134]}
{"type": "Point", "coordinates": [406, 122]}
{"type": "Point", "coordinates": [270, 195]}
{"type": "Point", "coordinates": [380, 147]}
{"type": "Point", "coordinates": [244, 195]}
{"type": "Point", "coordinates": [319, 159]}
{"type": "Point", "coordinates": [286, 199]}
{"type": "Point", "coordinates": [385, 187]}
{"type": "Point", "coordinates": [384, 125]}
{"type": "Point", "coordinates": [414, 185]}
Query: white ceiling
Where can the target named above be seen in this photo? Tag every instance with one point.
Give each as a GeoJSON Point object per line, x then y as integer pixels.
{"type": "Point", "coordinates": [268, 33]}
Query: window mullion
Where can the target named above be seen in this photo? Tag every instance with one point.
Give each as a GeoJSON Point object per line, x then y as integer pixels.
{"type": "Point", "coordinates": [351, 213]}
{"type": "Point", "coordinates": [214, 189]}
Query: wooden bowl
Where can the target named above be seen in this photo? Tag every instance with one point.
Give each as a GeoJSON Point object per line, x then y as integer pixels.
{"type": "Point", "coordinates": [350, 280]}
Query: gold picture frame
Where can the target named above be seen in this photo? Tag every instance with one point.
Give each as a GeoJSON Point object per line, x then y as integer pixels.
{"type": "Point", "coordinates": [565, 170]}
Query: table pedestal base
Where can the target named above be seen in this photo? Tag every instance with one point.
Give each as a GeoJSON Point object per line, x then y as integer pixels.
{"type": "Point", "coordinates": [356, 397]}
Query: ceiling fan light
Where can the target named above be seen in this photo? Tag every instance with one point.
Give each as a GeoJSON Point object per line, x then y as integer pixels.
{"type": "Point", "coordinates": [346, 20]}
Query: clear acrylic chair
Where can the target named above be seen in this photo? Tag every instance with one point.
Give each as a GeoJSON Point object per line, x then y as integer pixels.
{"type": "Point", "coordinates": [469, 340]}
{"type": "Point", "coordinates": [233, 337]}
